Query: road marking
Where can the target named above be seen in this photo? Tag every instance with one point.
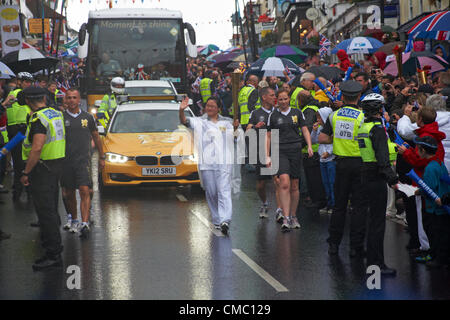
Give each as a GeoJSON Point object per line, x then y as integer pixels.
{"type": "Point", "coordinates": [260, 271]}
{"type": "Point", "coordinates": [207, 224]}
{"type": "Point", "coordinates": [181, 197]}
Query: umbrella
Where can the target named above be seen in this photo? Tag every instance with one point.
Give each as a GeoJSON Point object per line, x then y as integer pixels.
{"type": "Point", "coordinates": [200, 49]}
{"type": "Point", "coordinates": [435, 25]}
{"type": "Point", "coordinates": [5, 72]}
{"type": "Point", "coordinates": [236, 65]}
{"type": "Point", "coordinates": [30, 60]}
{"type": "Point", "coordinates": [413, 60]}
{"type": "Point", "coordinates": [388, 47]}
{"type": "Point", "coordinates": [377, 33]}
{"type": "Point", "coordinates": [327, 72]}
{"type": "Point", "coordinates": [224, 59]}
{"type": "Point", "coordinates": [285, 51]}
{"type": "Point", "coordinates": [212, 57]}
{"type": "Point", "coordinates": [359, 44]}
{"type": "Point", "coordinates": [210, 48]}
{"type": "Point", "coordinates": [273, 67]}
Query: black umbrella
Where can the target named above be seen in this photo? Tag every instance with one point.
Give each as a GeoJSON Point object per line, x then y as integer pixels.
{"type": "Point", "coordinates": [309, 47]}
{"type": "Point", "coordinates": [236, 65]}
{"type": "Point", "coordinates": [327, 72]}
{"type": "Point", "coordinates": [29, 60]}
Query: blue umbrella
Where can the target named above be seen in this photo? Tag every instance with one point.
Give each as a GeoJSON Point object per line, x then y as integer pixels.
{"type": "Point", "coordinates": [6, 72]}
{"type": "Point", "coordinates": [359, 45]}
{"type": "Point", "coordinates": [210, 48]}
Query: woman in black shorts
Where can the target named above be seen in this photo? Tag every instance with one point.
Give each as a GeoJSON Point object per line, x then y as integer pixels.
{"type": "Point", "coordinates": [288, 122]}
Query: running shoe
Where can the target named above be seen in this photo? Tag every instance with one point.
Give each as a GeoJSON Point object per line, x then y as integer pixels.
{"type": "Point", "coordinates": [84, 231]}
{"type": "Point", "coordinates": [294, 223]}
{"type": "Point", "coordinates": [68, 225]}
{"type": "Point", "coordinates": [75, 227]}
{"type": "Point", "coordinates": [224, 227]}
{"type": "Point", "coordinates": [279, 216]}
{"type": "Point", "coordinates": [217, 226]}
{"type": "Point", "coordinates": [285, 226]}
{"type": "Point", "coordinates": [323, 210]}
{"type": "Point", "coordinates": [263, 212]}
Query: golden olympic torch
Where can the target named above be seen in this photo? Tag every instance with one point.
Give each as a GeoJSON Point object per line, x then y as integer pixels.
{"type": "Point", "coordinates": [235, 81]}
{"type": "Point", "coordinates": [398, 57]}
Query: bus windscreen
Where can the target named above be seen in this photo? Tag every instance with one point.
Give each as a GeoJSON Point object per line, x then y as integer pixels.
{"type": "Point", "coordinates": [136, 49]}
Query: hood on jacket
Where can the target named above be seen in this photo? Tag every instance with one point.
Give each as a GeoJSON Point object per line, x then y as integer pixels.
{"type": "Point", "coordinates": [342, 55]}
{"type": "Point", "coordinates": [445, 57]}
{"type": "Point", "coordinates": [325, 113]}
{"type": "Point", "coordinates": [431, 129]}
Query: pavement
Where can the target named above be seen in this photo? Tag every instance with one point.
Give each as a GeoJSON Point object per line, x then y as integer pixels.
{"type": "Point", "coordinates": [158, 243]}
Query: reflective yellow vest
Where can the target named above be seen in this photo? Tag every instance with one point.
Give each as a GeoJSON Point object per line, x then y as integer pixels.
{"type": "Point", "coordinates": [294, 102]}
{"type": "Point", "coordinates": [365, 144]}
{"type": "Point", "coordinates": [205, 89]}
{"type": "Point", "coordinates": [244, 94]}
{"type": "Point", "coordinates": [55, 145]}
{"type": "Point", "coordinates": [4, 134]}
{"type": "Point", "coordinates": [12, 109]}
{"type": "Point", "coordinates": [315, 146]}
{"type": "Point", "coordinates": [346, 122]}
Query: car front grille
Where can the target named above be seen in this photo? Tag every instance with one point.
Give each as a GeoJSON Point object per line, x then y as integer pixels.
{"type": "Point", "coordinates": [170, 160]}
{"type": "Point", "coordinates": [147, 160]}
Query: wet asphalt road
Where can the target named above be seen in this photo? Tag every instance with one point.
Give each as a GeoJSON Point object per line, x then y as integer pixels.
{"type": "Point", "coordinates": [156, 243]}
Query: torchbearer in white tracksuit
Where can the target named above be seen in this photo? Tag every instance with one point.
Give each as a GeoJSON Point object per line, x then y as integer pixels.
{"type": "Point", "coordinates": [214, 139]}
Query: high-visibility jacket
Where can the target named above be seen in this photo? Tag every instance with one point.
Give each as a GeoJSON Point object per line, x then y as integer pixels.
{"type": "Point", "coordinates": [55, 144]}
{"type": "Point", "coordinates": [107, 107]}
{"type": "Point", "coordinates": [205, 89]}
{"type": "Point", "coordinates": [243, 97]}
{"type": "Point", "coordinates": [366, 147]}
{"type": "Point", "coordinates": [4, 134]}
{"type": "Point", "coordinates": [12, 109]}
{"type": "Point", "coordinates": [294, 102]}
{"type": "Point", "coordinates": [346, 122]}
{"type": "Point", "coordinates": [315, 146]}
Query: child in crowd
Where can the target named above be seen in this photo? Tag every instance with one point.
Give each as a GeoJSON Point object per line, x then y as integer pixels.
{"type": "Point", "coordinates": [327, 158]}
{"type": "Point", "coordinates": [440, 219]}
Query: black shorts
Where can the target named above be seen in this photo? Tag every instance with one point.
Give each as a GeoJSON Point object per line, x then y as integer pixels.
{"type": "Point", "coordinates": [76, 174]}
{"type": "Point", "coordinates": [290, 161]}
{"type": "Point", "coordinates": [260, 176]}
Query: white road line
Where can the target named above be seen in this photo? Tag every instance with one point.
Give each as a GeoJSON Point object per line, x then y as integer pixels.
{"type": "Point", "coordinates": [207, 224]}
{"type": "Point", "coordinates": [260, 271]}
{"type": "Point", "coordinates": [181, 197]}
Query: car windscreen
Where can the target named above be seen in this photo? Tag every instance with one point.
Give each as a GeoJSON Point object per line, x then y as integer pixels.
{"type": "Point", "coordinates": [136, 91]}
{"type": "Point", "coordinates": [144, 121]}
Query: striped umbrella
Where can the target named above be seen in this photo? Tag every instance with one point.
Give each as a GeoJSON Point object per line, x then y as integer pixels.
{"type": "Point", "coordinates": [435, 25]}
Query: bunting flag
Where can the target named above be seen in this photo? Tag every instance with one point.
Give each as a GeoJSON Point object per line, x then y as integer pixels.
{"type": "Point", "coordinates": [324, 46]}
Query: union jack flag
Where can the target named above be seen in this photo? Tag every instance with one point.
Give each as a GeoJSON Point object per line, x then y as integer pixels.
{"type": "Point", "coordinates": [333, 89]}
{"type": "Point", "coordinates": [324, 45]}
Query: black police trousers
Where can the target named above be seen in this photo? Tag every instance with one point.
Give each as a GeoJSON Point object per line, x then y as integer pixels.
{"type": "Point", "coordinates": [16, 155]}
{"type": "Point", "coordinates": [376, 190]}
{"type": "Point", "coordinates": [348, 186]}
{"type": "Point", "coordinates": [314, 180]}
{"type": "Point", "coordinates": [44, 189]}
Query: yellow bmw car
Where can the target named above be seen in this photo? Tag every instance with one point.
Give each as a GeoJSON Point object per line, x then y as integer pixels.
{"type": "Point", "coordinates": [145, 144]}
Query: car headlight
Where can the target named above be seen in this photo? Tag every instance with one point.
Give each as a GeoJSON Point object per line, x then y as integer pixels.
{"type": "Point", "coordinates": [116, 158]}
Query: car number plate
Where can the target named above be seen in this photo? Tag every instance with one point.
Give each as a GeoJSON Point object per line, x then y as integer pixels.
{"type": "Point", "coordinates": [161, 171]}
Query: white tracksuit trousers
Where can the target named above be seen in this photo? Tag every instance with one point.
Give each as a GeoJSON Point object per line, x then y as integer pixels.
{"type": "Point", "coordinates": [217, 185]}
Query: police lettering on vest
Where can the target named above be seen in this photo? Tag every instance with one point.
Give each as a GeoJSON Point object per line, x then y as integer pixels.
{"type": "Point", "coordinates": [346, 122]}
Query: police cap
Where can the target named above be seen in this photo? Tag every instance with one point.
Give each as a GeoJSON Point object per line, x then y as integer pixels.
{"type": "Point", "coordinates": [34, 92]}
{"type": "Point", "coordinates": [350, 88]}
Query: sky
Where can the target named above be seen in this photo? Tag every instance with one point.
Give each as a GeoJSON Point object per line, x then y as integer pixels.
{"type": "Point", "coordinates": [211, 16]}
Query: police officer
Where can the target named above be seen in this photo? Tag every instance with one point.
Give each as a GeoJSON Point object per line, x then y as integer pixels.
{"type": "Point", "coordinates": [18, 112]}
{"type": "Point", "coordinates": [373, 144]}
{"type": "Point", "coordinates": [248, 100]}
{"type": "Point", "coordinates": [206, 87]}
{"type": "Point", "coordinates": [306, 83]}
{"type": "Point", "coordinates": [109, 101]}
{"type": "Point", "coordinates": [341, 130]}
{"type": "Point", "coordinates": [44, 150]}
